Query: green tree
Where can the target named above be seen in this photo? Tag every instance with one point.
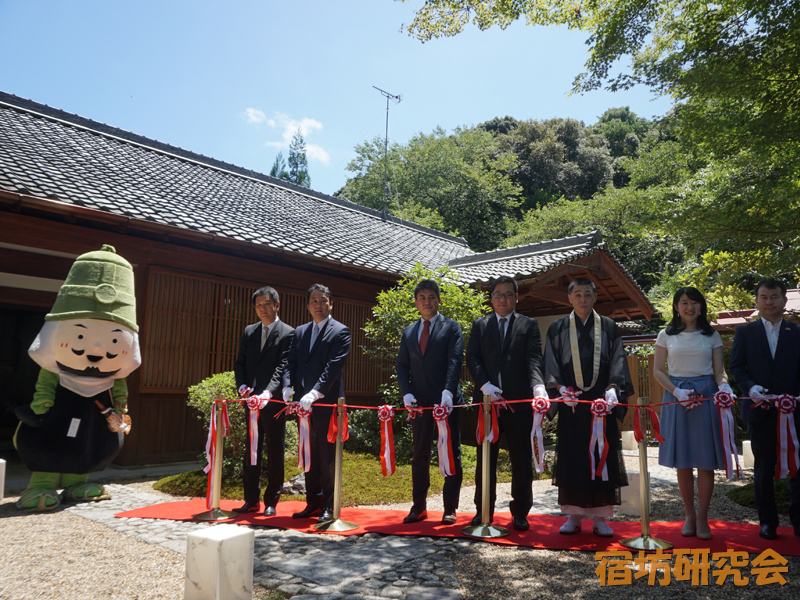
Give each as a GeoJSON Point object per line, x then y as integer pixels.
{"type": "Point", "coordinates": [298, 163]}
{"type": "Point", "coordinates": [279, 168]}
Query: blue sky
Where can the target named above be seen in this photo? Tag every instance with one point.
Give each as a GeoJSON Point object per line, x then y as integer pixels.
{"type": "Point", "coordinates": [234, 80]}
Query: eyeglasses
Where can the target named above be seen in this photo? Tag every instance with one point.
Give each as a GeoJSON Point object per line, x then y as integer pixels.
{"type": "Point", "coordinates": [506, 296]}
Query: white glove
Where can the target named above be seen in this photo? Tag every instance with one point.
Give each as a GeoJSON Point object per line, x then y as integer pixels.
{"type": "Point", "coordinates": [611, 397]}
{"type": "Point", "coordinates": [757, 394]}
{"type": "Point", "coordinates": [565, 393]}
{"type": "Point", "coordinates": [539, 391]}
{"type": "Point", "coordinates": [410, 401]}
{"type": "Point", "coordinates": [287, 394]}
{"type": "Point", "coordinates": [266, 395]}
{"type": "Point", "coordinates": [447, 399]}
{"type": "Point", "coordinates": [244, 391]}
{"type": "Point", "coordinates": [682, 395]}
{"type": "Point", "coordinates": [309, 399]}
{"type": "Point", "coordinates": [491, 390]}
{"type": "Point", "coordinates": [724, 387]}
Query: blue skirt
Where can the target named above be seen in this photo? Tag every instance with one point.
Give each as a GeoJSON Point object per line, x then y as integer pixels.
{"type": "Point", "coordinates": [692, 437]}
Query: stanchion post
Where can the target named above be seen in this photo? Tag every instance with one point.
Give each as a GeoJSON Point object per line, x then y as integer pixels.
{"type": "Point", "coordinates": [485, 529]}
{"type": "Point", "coordinates": [337, 524]}
{"type": "Point", "coordinates": [644, 541]}
{"type": "Point", "coordinates": [215, 514]}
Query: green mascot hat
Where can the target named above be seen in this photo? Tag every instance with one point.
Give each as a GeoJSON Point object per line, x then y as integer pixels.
{"type": "Point", "coordinates": [99, 286]}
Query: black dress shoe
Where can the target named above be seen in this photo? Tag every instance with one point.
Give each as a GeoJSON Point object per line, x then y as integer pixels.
{"type": "Point", "coordinates": [247, 507]}
{"type": "Point", "coordinates": [521, 523]}
{"type": "Point", "coordinates": [308, 512]}
{"type": "Point", "coordinates": [327, 515]}
{"type": "Point", "coordinates": [449, 517]}
{"type": "Point", "coordinates": [768, 532]}
{"type": "Point", "coordinates": [416, 515]}
{"type": "Point", "coordinates": [270, 511]}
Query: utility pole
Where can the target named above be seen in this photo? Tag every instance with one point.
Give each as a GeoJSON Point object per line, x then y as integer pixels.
{"type": "Point", "coordinates": [396, 100]}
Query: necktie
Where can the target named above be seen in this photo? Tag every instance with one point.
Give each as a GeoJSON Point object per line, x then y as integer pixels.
{"type": "Point", "coordinates": [314, 335]}
{"type": "Point", "coordinates": [502, 330]}
{"type": "Point", "coordinates": [423, 338]}
{"type": "Point", "coordinates": [264, 332]}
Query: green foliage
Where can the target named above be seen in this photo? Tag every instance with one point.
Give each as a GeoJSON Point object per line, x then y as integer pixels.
{"type": "Point", "coordinates": [456, 182]}
{"type": "Point", "coordinates": [279, 168]}
{"type": "Point", "coordinates": [298, 163]}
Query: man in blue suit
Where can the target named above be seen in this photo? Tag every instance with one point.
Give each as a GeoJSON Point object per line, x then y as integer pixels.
{"type": "Point", "coordinates": [428, 371]}
{"type": "Point", "coordinates": [765, 361]}
{"type": "Point", "coordinates": [313, 373]}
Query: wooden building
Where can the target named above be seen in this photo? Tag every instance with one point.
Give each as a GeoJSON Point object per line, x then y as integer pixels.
{"type": "Point", "coordinates": [202, 235]}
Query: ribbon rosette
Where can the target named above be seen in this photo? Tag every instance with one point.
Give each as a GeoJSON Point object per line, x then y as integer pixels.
{"type": "Point", "coordinates": [447, 465]}
{"type": "Point", "coordinates": [540, 406]}
{"type": "Point", "coordinates": [386, 414]}
{"type": "Point", "coordinates": [254, 405]}
{"type": "Point", "coordinates": [303, 435]}
{"type": "Point", "coordinates": [598, 440]}
{"type": "Point", "coordinates": [211, 445]}
{"type": "Point", "coordinates": [788, 447]}
{"type": "Point", "coordinates": [724, 401]}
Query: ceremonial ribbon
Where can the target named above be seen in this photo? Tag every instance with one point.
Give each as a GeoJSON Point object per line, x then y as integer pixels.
{"type": "Point", "coordinates": [494, 434]}
{"type": "Point", "coordinates": [303, 437]}
{"type": "Point", "coordinates": [254, 404]}
{"type": "Point", "coordinates": [599, 409]}
{"type": "Point", "coordinates": [211, 446]}
{"type": "Point", "coordinates": [655, 425]}
{"type": "Point", "coordinates": [385, 414]}
{"type": "Point", "coordinates": [788, 448]}
{"type": "Point", "coordinates": [724, 402]}
{"type": "Point", "coordinates": [540, 407]}
{"type": "Point", "coordinates": [333, 426]}
{"type": "Point", "coordinates": [447, 465]}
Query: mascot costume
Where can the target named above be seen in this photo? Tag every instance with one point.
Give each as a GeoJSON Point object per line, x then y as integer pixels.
{"type": "Point", "coordinates": [87, 347]}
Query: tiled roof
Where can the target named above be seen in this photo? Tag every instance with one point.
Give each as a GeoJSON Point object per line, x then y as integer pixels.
{"type": "Point", "coordinates": [48, 153]}
{"type": "Point", "coordinates": [525, 262]}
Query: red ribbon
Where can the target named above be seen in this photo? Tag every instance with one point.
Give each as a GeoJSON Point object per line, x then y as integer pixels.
{"type": "Point", "coordinates": [724, 402]}
{"type": "Point", "coordinates": [385, 414]}
{"type": "Point", "coordinates": [655, 425]}
{"type": "Point", "coordinates": [540, 406]}
{"type": "Point", "coordinates": [788, 447]}
{"type": "Point", "coordinates": [598, 439]}
{"type": "Point", "coordinates": [333, 427]}
{"type": "Point", "coordinates": [254, 404]}
{"type": "Point", "coordinates": [447, 465]}
{"type": "Point", "coordinates": [494, 434]}
{"type": "Point", "coordinates": [211, 446]}
{"type": "Point", "coordinates": [303, 435]}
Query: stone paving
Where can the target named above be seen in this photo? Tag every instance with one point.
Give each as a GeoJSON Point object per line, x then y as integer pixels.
{"type": "Point", "coordinates": [308, 566]}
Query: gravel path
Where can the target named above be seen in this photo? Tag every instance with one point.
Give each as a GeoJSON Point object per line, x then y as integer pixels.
{"type": "Point", "coordinates": [84, 552]}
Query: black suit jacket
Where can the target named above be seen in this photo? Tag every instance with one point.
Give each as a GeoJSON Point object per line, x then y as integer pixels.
{"type": "Point", "coordinates": [319, 368]}
{"type": "Point", "coordinates": [263, 369]}
{"type": "Point", "coordinates": [752, 364]}
{"type": "Point", "coordinates": [439, 369]}
{"type": "Point", "coordinates": [519, 361]}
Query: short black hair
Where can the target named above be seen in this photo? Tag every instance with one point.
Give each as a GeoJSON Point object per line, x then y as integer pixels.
{"type": "Point", "coordinates": [771, 284]}
{"type": "Point", "coordinates": [504, 279]}
{"type": "Point", "coordinates": [318, 287]}
{"type": "Point", "coordinates": [581, 281]}
{"type": "Point", "coordinates": [266, 291]}
{"type": "Point", "coordinates": [427, 284]}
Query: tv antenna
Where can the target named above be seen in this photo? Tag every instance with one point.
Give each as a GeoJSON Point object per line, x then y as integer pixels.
{"type": "Point", "coordinates": [396, 99]}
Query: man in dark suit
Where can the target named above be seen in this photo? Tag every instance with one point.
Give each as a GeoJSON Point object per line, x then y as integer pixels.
{"type": "Point", "coordinates": [765, 361]}
{"type": "Point", "coordinates": [313, 373]}
{"type": "Point", "coordinates": [428, 370]}
{"type": "Point", "coordinates": [504, 356]}
{"type": "Point", "coordinates": [259, 369]}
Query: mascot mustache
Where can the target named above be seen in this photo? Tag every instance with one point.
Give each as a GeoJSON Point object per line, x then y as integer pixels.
{"type": "Point", "coordinates": [87, 372]}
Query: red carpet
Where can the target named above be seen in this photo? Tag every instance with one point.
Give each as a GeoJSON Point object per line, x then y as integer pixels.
{"type": "Point", "coordinates": [542, 534]}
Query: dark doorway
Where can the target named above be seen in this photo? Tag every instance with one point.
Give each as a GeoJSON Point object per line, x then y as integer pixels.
{"type": "Point", "coordinates": [18, 372]}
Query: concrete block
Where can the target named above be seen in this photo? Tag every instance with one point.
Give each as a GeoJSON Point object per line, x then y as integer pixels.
{"type": "Point", "coordinates": [631, 496]}
{"type": "Point", "coordinates": [629, 441]}
{"type": "Point", "coordinates": [2, 479]}
{"type": "Point", "coordinates": [219, 564]}
{"type": "Point", "coordinates": [747, 453]}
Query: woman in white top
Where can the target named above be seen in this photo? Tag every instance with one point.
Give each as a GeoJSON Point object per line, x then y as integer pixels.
{"type": "Point", "coordinates": [692, 351]}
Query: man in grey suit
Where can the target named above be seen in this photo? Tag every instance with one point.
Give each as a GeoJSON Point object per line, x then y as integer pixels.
{"type": "Point", "coordinates": [259, 366]}
{"type": "Point", "coordinates": [765, 362]}
{"type": "Point", "coordinates": [428, 372]}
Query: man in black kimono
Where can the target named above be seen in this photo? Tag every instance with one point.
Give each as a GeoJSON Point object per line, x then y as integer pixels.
{"type": "Point", "coordinates": [584, 352]}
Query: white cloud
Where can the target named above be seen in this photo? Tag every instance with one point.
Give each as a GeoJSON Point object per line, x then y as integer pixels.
{"type": "Point", "coordinates": [315, 152]}
{"type": "Point", "coordinates": [253, 115]}
{"type": "Point", "coordinates": [288, 127]}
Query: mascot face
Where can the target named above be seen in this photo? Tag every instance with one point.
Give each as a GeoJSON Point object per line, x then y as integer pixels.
{"type": "Point", "coordinates": [93, 348]}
